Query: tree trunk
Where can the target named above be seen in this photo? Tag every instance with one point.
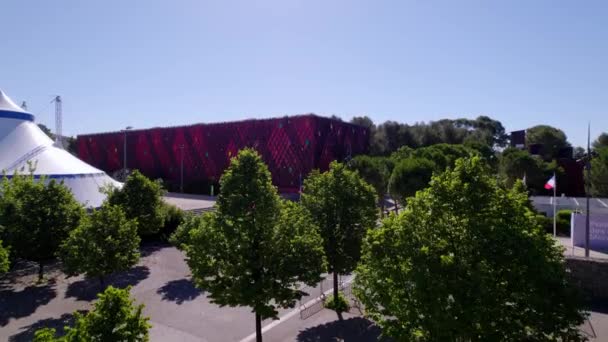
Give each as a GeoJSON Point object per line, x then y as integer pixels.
{"type": "Point", "coordinates": [40, 270]}
{"type": "Point", "coordinates": [336, 286]}
{"type": "Point", "coordinates": [258, 327]}
{"type": "Point", "coordinates": [337, 295]}
{"type": "Point", "coordinates": [102, 283]}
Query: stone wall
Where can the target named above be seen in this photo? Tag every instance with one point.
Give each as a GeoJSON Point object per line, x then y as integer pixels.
{"type": "Point", "coordinates": [590, 275]}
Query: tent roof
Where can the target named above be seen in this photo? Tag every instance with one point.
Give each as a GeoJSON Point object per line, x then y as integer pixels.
{"type": "Point", "coordinates": [8, 109]}
{"type": "Point", "coordinates": [22, 143]}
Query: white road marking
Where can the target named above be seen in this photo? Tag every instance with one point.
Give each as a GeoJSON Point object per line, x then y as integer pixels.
{"type": "Point", "coordinates": [575, 201]}
{"type": "Point", "coordinates": [602, 202]}
{"type": "Point", "coordinates": [290, 314]}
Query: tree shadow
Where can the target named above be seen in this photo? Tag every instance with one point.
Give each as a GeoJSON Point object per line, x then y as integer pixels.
{"type": "Point", "coordinates": [354, 329]}
{"type": "Point", "coordinates": [598, 305]}
{"type": "Point", "coordinates": [27, 333]}
{"type": "Point", "coordinates": [179, 291]}
{"type": "Point", "coordinates": [88, 288]}
{"type": "Point", "coordinates": [25, 268]}
{"type": "Point", "coordinates": [150, 247]}
{"type": "Point", "coordinates": [17, 304]}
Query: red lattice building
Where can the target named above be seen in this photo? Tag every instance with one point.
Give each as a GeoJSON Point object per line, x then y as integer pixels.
{"type": "Point", "coordinates": [290, 146]}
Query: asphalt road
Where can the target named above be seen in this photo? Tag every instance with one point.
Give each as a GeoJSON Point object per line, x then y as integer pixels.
{"type": "Point", "coordinates": [178, 311]}
{"type": "Point", "coordinates": [545, 204]}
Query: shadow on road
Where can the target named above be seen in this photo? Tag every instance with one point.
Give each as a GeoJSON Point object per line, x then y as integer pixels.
{"type": "Point", "coordinates": [87, 289]}
{"type": "Point", "coordinates": [179, 291]}
{"type": "Point", "coordinates": [355, 329]}
{"type": "Point", "coordinates": [27, 333]}
{"type": "Point", "coordinates": [150, 247]}
{"type": "Point", "coordinates": [598, 305]}
{"type": "Point", "coordinates": [17, 304]}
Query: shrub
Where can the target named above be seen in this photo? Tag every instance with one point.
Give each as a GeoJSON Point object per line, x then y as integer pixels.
{"type": "Point", "coordinates": [173, 217]}
{"type": "Point", "coordinates": [563, 222]}
{"type": "Point", "coordinates": [114, 318]}
{"type": "Point", "coordinates": [340, 305]}
{"type": "Point", "coordinates": [141, 199]}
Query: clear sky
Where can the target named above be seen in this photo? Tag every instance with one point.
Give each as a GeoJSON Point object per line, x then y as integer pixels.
{"type": "Point", "coordinates": [147, 63]}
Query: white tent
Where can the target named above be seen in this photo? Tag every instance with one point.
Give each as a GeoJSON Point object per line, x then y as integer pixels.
{"type": "Point", "coordinates": [22, 141]}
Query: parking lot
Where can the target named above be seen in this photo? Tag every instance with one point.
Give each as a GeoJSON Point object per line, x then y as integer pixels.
{"type": "Point", "coordinates": [545, 204]}
{"type": "Point", "coordinates": [178, 311]}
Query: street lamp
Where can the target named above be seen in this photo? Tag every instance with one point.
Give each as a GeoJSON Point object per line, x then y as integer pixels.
{"type": "Point", "coordinates": [125, 148]}
{"type": "Point", "coordinates": [181, 177]}
{"type": "Point", "coordinates": [586, 158]}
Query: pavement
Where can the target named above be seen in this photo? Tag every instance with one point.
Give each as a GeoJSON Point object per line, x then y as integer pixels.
{"type": "Point", "coordinates": [545, 204]}
{"type": "Point", "coordinates": [189, 202]}
{"type": "Point", "coordinates": [571, 250]}
{"type": "Point", "coordinates": [178, 311]}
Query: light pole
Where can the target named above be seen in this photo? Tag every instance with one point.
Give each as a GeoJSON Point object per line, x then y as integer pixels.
{"type": "Point", "coordinates": [124, 152]}
{"type": "Point", "coordinates": [587, 157]}
{"type": "Point", "coordinates": [181, 177]}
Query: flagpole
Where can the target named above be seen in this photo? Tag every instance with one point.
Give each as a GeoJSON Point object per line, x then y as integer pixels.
{"type": "Point", "coordinates": [554, 206]}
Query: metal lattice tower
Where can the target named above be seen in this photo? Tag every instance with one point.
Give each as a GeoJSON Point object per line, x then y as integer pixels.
{"type": "Point", "coordinates": [58, 121]}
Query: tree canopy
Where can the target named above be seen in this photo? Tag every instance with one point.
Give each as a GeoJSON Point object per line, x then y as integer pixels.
{"type": "Point", "coordinates": [515, 164]}
{"type": "Point", "coordinates": [114, 318]}
{"type": "Point", "coordinates": [255, 250]}
{"type": "Point", "coordinates": [599, 173]}
{"type": "Point", "coordinates": [389, 136]}
{"type": "Point", "coordinates": [552, 139]}
{"type": "Point", "coordinates": [37, 215]}
{"type": "Point", "coordinates": [467, 261]}
{"type": "Point", "coordinates": [601, 141]}
{"type": "Point", "coordinates": [376, 171]}
{"type": "Point", "coordinates": [141, 199]}
{"type": "Point", "coordinates": [343, 205]}
{"type": "Point", "coordinates": [104, 243]}
{"type": "Point", "coordinates": [4, 260]}
{"type": "Point", "coordinates": [409, 176]}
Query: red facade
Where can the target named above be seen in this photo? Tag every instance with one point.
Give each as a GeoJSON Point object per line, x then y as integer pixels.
{"type": "Point", "coordinates": [290, 146]}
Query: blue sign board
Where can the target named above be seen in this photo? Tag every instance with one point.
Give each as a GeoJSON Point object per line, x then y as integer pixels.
{"type": "Point", "coordinates": [598, 231]}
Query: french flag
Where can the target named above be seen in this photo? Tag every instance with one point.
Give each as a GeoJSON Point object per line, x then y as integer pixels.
{"type": "Point", "coordinates": [550, 183]}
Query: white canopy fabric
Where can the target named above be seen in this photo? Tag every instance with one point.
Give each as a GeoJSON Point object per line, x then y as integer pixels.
{"type": "Point", "coordinates": [23, 143]}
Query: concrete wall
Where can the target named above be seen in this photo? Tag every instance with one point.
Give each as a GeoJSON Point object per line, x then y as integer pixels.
{"type": "Point", "coordinates": [590, 275]}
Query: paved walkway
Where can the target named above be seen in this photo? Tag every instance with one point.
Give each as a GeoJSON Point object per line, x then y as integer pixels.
{"type": "Point", "coordinates": [188, 202]}
{"type": "Point", "coordinates": [178, 311]}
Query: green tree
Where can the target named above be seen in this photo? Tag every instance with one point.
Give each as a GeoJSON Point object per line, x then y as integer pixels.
{"type": "Point", "coordinates": [375, 172]}
{"type": "Point", "coordinates": [105, 243]}
{"type": "Point", "coordinates": [46, 131]}
{"type": "Point", "coordinates": [601, 141]}
{"type": "Point", "coordinates": [141, 199]}
{"type": "Point", "coordinates": [4, 260]}
{"type": "Point", "coordinates": [114, 318]}
{"type": "Point", "coordinates": [181, 237]}
{"type": "Point", "coordinates": [344, 207]}
{"type": "Point", "coordinates": [255, 250]}
{"type": "Point", "coordinates": [409, 176]}
{"type": "Point", "coordinates": [514, 164]}
{"type": "Point", "coordinates": [599, 173]}
{"type": "Point", "coordinates": [37, 217]}
{"type": "Point", "coordinates": [467, 261]}
{"type": "Point", "coordinates": [552, 140]}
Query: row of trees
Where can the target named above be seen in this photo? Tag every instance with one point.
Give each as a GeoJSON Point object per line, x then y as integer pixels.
{"type": "Point", "coordinates": [466, 260]}
{"type": "Point", "coordinates": [41, 220]}
{"type": "Point", "coordinates": [257, 250]}
{"type": "Point", "coordinates": [488, 138]}
{"type": "Point", "coordinates": [388, 137]}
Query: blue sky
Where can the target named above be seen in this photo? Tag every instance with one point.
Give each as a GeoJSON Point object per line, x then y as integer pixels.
{"type": "Point", "coordinates": [147, 63]}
